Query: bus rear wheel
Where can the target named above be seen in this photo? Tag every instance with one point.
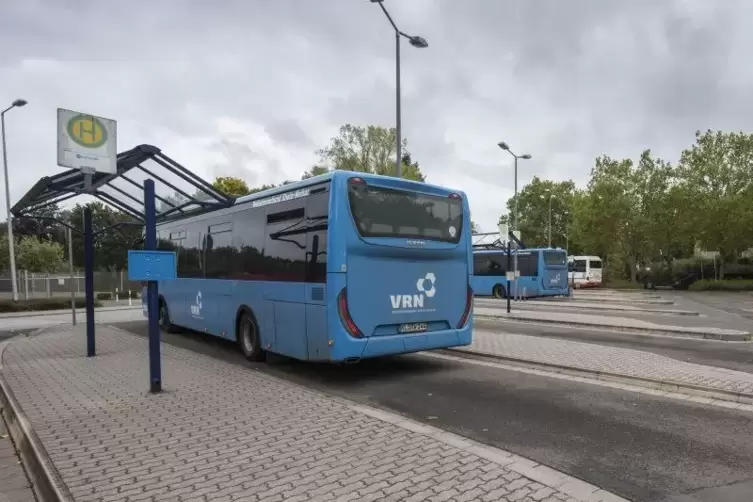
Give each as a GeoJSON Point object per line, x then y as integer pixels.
{"type": "Point", "coordinates": [499, 291]}
{"type": "Point", "coordinates": [248, 338]}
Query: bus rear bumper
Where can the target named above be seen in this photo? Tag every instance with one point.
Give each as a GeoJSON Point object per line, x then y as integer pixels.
{"type": "Point", "coordinates": [378, 346]}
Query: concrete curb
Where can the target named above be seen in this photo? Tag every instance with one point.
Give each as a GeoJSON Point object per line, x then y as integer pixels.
{"type": "Point", "coordinates": [724, 337]}
{"type": "Point", "coordinates": [585, 308]}
{"type": "Point", "coordinates": [46, 482]}
{"type": "Point", "coordinates": [41, 313]}
{"type": "Point", "coordinates": [654, 384]}
{"type": "Point", "coordinates": [643, 301]}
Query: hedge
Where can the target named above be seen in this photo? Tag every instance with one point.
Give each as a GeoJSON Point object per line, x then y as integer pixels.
{"type": "Point", "coordinates": [725, 285]}
{"type": "Point", "coordinates": [41, 304]}
{"type": "Point", "coordinates": [121, 295]}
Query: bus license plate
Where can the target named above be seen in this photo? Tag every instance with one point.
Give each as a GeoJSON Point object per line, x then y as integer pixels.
{"type": "Point", "coordinates": [414, 327]}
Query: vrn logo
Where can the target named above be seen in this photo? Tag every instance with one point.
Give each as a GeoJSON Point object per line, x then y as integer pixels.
{"type": "Point", "coordinates": [196, 307]}
{"type": "Point", "coordinates": [424, 286]}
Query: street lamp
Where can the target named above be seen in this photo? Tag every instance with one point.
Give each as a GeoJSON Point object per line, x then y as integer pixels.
{"type": "Point", "coordinates": [415, 41]}
{"type": "Point", "coordinates": [16, 104]}
{"type": "Point", "coordinates": [504, 146]}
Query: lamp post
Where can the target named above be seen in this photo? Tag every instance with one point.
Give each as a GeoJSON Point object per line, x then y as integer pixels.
{"type": "Point", "coordinates": [16, 104]}
{"type": "Point", "coordinates": [550, 217]}
{"type": "Point", "coordinates": [415, 41]}
{"type": "Point", "coordinates": [504, 146]}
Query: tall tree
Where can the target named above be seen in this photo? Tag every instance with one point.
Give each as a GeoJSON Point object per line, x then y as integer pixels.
{"type": "Point", "coordinates": [717, 173]}
{"type": "Point", "coordinates": [232, 186]}
{"type": "Point", "coordinates": [369, 149]}
{"type": "Point", "coordinates": [533, 211]}
{"type": "Point", "coordinates": [39, 255]}
{"type": "Point", "coordinates": [315, 171]}
{"type": "Point", "coordinates": [110, 247]}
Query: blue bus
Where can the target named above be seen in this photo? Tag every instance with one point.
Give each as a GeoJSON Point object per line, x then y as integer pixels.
{"type": "Point", "coordinates": [543, 272]}
{"type": "Point", "coordinates": [338, 267]}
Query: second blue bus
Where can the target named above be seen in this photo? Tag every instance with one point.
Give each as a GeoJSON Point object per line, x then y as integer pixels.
{"type": "Point", "coordinates": [543, 272]}
{"type": "Point", "coordinates": [338, 267]}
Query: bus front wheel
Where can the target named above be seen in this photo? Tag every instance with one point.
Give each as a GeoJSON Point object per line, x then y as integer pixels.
{"type": "Point", "coordinates": [164, 318]}
{"type": "Point", "coordinates": [248, 338]}
{"type": "Point", "coordinates": [499, 291]}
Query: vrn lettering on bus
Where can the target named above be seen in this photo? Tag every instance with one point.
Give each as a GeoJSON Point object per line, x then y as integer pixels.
{"type": "Point", "coordinates": [424, 286]}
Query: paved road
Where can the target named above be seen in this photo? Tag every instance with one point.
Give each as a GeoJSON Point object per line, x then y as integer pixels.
{"type": "Point", "coordinates": [739, 304]}
{"type": "Point", "coordinates": [710, 318]}
{"type": "Point", "coordinates": [731, 355]}
{"type": "Point", "coordinates": [14, 487]}
{"type": "Point", "coordinates": [16, 323]}
{"type": "Point", "coordinates": [645, 448]}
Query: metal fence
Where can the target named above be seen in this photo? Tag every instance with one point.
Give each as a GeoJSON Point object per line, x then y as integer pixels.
{"type": "Point", "coordinates": [31, 285]}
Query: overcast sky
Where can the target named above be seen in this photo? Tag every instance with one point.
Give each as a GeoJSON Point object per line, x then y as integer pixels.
{"type": "Point", "coordinates": [251, 88]}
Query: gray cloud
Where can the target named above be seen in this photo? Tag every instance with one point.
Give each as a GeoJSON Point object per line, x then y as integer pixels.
{"type": "Point", "coordinates": [252, 87]}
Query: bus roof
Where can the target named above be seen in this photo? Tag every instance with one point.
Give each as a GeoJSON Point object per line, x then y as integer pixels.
{"type": "Point", "coordinates": [504, 250]}
{"type": "Point", "coordinates": [583, 257]}
{"type": "Point", "coordinates": [315, 180]}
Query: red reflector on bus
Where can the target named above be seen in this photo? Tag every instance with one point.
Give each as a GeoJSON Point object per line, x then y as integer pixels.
{"type": "Point", "coordinates": [342, 308]}
{"type": "Point", "coordinates": [356, 181]}
{"type": "Point", "coordinates": [454, 196]}
{"type": "Point", "coordinates": [468, 307]}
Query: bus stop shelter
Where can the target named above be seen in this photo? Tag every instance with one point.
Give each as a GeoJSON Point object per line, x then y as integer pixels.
{"type": "Point", "coordinates": [148, 187]}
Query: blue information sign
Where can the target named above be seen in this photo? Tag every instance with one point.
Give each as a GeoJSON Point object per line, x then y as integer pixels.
{"type": "Point", "coordinates": [151, 265]}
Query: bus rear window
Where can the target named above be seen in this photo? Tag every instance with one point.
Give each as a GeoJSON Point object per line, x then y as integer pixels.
{"type": "Point", "coordinates": [555, 258]}
{"type": "Point", "coordinates": [595, 264]}
{"type": "Point", "coordinates": [385, 212]}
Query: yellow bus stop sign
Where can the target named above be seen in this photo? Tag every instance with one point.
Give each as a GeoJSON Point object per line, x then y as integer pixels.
{"type": "Point", "coordinates": [87, 131]}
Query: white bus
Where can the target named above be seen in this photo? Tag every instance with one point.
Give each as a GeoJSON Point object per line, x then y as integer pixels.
{"type": "Point", "coordinates": [584, 271]}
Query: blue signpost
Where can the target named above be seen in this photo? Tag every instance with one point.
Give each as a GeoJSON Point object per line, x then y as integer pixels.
{"type": "Point", "coordinates": [151, 266]}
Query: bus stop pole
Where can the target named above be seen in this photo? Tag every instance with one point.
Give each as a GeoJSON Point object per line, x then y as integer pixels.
{"type": "Point", "coordinates": [150, 244]}
{"type": "Point", "coordinates": [89, 282]}
{"type": "Point", "coordinates": [507, 273]}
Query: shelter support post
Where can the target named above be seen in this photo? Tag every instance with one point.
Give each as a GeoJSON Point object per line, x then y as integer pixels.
{"type": "Point", "coordinates": [150, 244]}
{"type": "Point", "coordinates": [89, 282]}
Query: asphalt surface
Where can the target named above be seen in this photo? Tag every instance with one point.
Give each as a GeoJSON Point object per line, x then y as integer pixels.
{"type": "Point", "coordinates": [709, 318]}
{"type": "Point", "coordinates": [731, 355]}
{"type": "Point", "coordinates": [4, 335]}
{"type": "Point", "coordinates": [644, 448]}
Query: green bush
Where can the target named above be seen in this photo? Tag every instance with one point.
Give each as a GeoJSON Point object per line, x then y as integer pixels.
{"type": "Point", "coordinates": [41, 304]}
{"type": "Point", "coordinates": [725, 285]}
{"type": "Point", "coordinates": [104, 296]}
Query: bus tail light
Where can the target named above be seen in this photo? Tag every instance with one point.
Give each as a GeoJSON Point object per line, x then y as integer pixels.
{"type": "Point", "coordinates": [356, 181]}
{"type": "Point", "coordinates": [342, 308]}
{"type": "Point", "coordinates": [468, 307]}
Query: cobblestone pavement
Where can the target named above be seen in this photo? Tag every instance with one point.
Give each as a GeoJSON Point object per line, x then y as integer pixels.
{"type": "Point", "coordinates": [225, 432]}
{"type": "Point", "coordinates": [14, 487]}
{"type": "Point", "coordinates": [608, 359]}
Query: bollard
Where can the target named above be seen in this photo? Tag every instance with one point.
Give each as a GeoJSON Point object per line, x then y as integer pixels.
{"type": "Point", "coordinates": [117, 296]}
{"type": "Point", "coordinates": [130, 301]}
